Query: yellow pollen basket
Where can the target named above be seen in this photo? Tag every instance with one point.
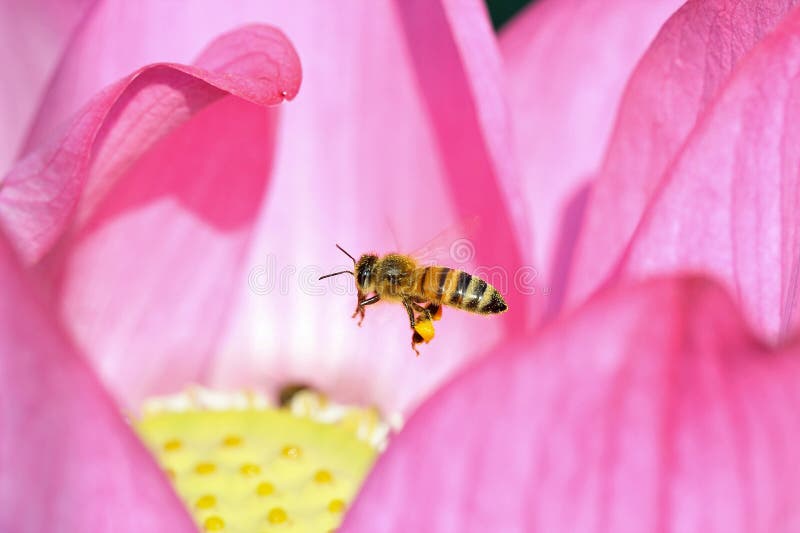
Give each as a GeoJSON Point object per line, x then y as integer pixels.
{"type": "Point", "coordinates": [265, 469]}
{"type": "Point", "coordinates": [425, 329]}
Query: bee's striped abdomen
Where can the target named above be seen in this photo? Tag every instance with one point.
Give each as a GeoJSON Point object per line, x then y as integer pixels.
{"type": "Point", "coordinates": [458, 289]}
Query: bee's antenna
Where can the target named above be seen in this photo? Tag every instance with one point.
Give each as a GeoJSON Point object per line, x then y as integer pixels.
{"type": "Point", "coordinates": [348, 255]}
{"type": "Point", "coordinates": [337, 273]}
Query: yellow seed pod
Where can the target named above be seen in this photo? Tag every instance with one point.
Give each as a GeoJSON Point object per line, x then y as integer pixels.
{"type": "Point", "coordinates": [205, 468]}
{"type": "Point", "coordinates": [172, 445]}
{"type": "Point", "coordinates": [250, 469]}
{"type": "Point", "coordinates": [231, 441]}
{"type": "Point", "coordinates": [291, 451]}
{"type": "Point", "coordinates": [214, 523]}
{"type": "Point", "coordinates": [336, 506]}
{"type": "Point", "coordinates": [206, 502]}
{"type": "Point", "coordinates": [323, 476]}
{"type": "Point", "coordinates": [265, 488]}
{"type": "Point", "coordinates": [277, 516]}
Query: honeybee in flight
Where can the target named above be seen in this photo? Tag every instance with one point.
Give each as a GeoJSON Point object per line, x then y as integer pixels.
{"type": "Point", "coordinates": [422, 290]}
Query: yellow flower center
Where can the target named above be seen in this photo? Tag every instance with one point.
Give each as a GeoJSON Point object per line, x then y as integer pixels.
{"type": "Point", "coordinates": [251, 467]}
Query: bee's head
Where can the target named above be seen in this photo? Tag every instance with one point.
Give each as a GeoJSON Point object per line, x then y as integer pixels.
{"type": "Point", "coordinates": [365, 280]}
{"type": "Point", "coordinates": [362, 271]}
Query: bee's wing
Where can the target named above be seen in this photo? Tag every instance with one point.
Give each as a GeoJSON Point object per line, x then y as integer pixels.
{"type": "Point", "coordinates": [453, 245]}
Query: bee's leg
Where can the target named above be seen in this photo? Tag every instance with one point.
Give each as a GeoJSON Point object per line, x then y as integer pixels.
{"type": "Point", "coordinates": [361, 304]}
{"type": "Point", "coordinates": [410, 309]}
{"type": "Point", "coordinates": [425, 311]}
{"type": "Point", "coordinates": [434, 309]}
{"type": "Point", "coordinates": [415, 337]}
{"type": "Point", "coordinates": [359, 310]}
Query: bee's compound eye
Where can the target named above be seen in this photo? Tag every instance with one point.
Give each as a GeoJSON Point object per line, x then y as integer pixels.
{"type": "Point", "coordinates": [363, 276]}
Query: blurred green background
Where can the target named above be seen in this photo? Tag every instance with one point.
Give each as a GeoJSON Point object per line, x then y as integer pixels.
{"type": "Point", "coordinates": [502, 10]}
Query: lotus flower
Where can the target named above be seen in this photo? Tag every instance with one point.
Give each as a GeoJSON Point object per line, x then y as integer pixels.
{"type": "Point", "coordinates": [152, 184]}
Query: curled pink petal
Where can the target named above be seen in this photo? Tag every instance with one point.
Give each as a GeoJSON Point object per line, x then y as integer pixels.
{"type": "Point", "coordinates": [728, 205]}
{"type": "Point", "coordinates": [153, 249]}
{"type": "Point", "coordinates": [68, 461]}
{"type": "Point", "coordinates": [154, 32]}
{"type": "Point", "coordinates": [650, 409]}
{"type": "Point", "coordinates": [568, 62]}
{"type": "Point", "coordinates": [257, 64]}
{"type": "Point", "coordinates": [667, 97]}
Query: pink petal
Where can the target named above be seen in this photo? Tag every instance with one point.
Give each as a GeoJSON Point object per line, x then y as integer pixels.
{"type": "Point", "coordinates": [165, 207]}
{"type": "Point", "coordinates": [568, 62]}
{"type": "Point", "coordinates": [611, 420]}
{"type": "Point", "coordinates": [110, 134]}
{"type": "Point", "coordinates": [68, 461]}
{"type": "Point", "coordinates": [667, 99]}
{"type": "Point", "coordinates": [33, 34]}
{"type": "Point", "coordinates": [728, 204]}
{"type": "Point", "coordinates": [366, 157]}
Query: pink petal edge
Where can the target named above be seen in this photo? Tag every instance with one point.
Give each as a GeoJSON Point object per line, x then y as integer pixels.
{"type": "Point", "coordinates": [728, 204]}
{"type": "Point", "coordinates": [568, 62]}
{"type": "Point", "coordinates": [610, 420]}
{"type": "Point", "coordinates": [677, 82]}
{"type": "Point", "coordinates": [68, 461]}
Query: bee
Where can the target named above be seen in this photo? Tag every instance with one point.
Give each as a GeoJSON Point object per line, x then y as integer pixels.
{"type": "Point", "coordinates": [423, 290]}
